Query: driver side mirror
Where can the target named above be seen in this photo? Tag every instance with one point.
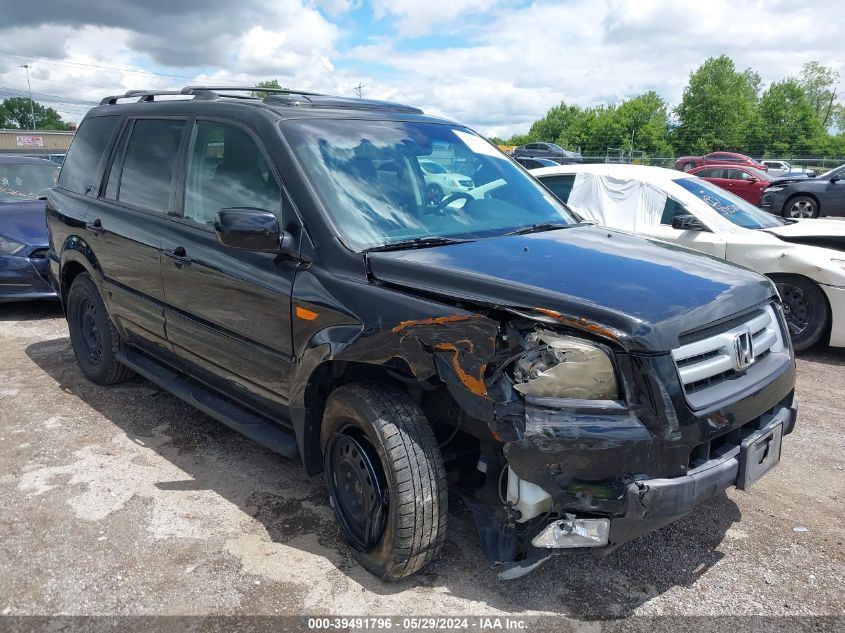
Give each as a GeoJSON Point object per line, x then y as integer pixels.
{"type": "Point", "coordinates": [687, 223]}
{"type": "Point", "coordinates": [252, 230]}
{"type": "Point", "coordinates": [836, 178]}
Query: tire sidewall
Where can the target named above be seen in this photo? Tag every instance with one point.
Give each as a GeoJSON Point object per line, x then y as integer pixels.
{"type": "Point", "coordinates": [819, 309]}
{"type": "Point", "coordinates": [84, 289]}
{"type": "Point", "coordinates": [343, 412]}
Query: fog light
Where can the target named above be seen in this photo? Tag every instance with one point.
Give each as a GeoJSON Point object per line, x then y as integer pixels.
{"type": "Point", "coordinates": [574, 533]}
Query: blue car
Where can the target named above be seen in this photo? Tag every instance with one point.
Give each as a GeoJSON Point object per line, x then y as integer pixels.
{"type": "Point", "coordinates": [24, 270]}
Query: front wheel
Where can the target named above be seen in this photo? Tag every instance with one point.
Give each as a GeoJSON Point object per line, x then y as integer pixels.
{"type": "Point", "coordinates": [805, 308]}
{"type": "Point", "coordinates": [801, 207]}
{"type": "Point", "coordinates": [385, 477]}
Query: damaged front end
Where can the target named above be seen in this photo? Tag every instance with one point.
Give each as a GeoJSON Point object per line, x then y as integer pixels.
{"type": "Point", "coordinates": [587, 445]}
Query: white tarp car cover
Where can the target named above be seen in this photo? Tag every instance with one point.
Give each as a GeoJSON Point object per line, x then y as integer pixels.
{"type": "Point", "coordinates": [629, 205]}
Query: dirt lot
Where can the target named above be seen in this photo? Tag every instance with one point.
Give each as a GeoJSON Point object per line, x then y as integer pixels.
{"type": "Point", "coordinates": [124, 500]}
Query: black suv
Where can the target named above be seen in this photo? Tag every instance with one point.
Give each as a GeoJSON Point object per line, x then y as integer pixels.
{"type": "Point", "coordinates": [277, 263]}
{"type": "Point", "coordinates": [547, 150]}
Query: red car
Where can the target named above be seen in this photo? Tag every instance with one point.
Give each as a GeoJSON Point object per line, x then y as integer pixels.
{"type": "Point", "coordinates": [685, 163]}
{"type": "Point", "coordinates": [746, 182]}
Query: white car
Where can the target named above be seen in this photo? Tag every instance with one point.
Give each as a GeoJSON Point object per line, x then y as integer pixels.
{"type": "Point", "coordinates": [441, 183]}
{"type": "Point", "coordinates": [805, 258]}
{"type": "Point", "coordinates": [781, 168]}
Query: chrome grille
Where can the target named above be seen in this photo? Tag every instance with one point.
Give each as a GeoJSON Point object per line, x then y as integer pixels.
{"type": "Point", "coordinates": [710, 361]}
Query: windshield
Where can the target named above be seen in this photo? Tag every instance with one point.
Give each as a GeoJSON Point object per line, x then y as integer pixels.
{"type": "Point", "coordinates": [26, 181]}
{"type": "Point", "coordinates": [836, 170]}
{"type": "Point", "coordinates": [729, 206]}
{"type": "Point", "coordinates": [760, 174]}
{"type": "Point", "coordinates": [431, 167]}
{"type": "Point", "coordinates": [369, 177]}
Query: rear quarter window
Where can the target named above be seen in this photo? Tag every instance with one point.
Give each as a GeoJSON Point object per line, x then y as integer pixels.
{"type": "Point", "coordinates": [561, 186]}
{"type": "Point", "coordinates": [85, 153]}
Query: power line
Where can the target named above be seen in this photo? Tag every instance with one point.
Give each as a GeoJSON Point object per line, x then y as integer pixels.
{"type": "Point", "coordinates": [53, 60]}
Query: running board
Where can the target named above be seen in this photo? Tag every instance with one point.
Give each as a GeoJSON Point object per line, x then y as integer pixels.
{"type": "Point", "coordinates": [255, 427]}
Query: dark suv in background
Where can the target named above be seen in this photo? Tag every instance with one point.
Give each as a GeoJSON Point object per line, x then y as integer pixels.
{"type": "Point", "coordinates": [547, 150]}
{"type": "Point", "coordinates": [277, 263]}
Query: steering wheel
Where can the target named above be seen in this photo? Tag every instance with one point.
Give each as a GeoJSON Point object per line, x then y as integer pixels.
{"type": "Point", "coordinates": [440, 207]}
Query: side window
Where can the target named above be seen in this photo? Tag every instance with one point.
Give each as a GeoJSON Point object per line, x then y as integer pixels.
{"type": "Point", "coordinates": [671, 209]}
{"type": "Point", "coordinates": [83, 157]}
{"type": "Point", "coordinates": [150, 163]}
{"type": "Point", "coordinates": [227, 169]}
{"type": "Point", "coordinates": [561, 186]}
{"type": "Point", "coordinates": [734, 174]}
{"type": "Point", "coordinates": [713, 172]}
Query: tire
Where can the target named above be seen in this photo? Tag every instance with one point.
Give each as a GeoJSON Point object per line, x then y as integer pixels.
{"type": "Point", "coordinates": [806, 309]}
{"type": "Point", "coordinates": [435, 193]}
{"type": "Point", "coordinates": [400, 448]}
{"type": "Point", "coordinates": [801, 207]}
{"type": "Point", "coordinates": [94, 338]}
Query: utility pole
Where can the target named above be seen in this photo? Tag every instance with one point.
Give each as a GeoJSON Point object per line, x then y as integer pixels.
{"type": "Point", "coordinates": [29, 87]}
{"type": "Point", "coordinates": [359, 90]}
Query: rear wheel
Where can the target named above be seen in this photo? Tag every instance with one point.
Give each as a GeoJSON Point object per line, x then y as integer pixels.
{"type": "Point", "coordinates": [801, 207]}
{"type": "Point", "coordinates": [805, 308]}
{"type": "Point", "coordinates": [385, 478]}
{"type": "Point", "coordinates": [94, 338]}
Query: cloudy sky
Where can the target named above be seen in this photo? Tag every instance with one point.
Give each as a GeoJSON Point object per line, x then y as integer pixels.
{"type": "Point", "coordinates": [496, 65]}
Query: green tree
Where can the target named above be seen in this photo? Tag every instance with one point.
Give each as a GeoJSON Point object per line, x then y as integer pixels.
{"type": "Point", "coordinates": [19, 115]}
{"type": "Point", "coordinates": [645, 119]}
{"type": "Point", "coordinates": [717, 108]}
{"type": "Point", "coordinates": [555, 124]}
{"type": "Point", "coordinates": [789, 119]}
{"type": "Point", "coordinates": [5, 121]}
{"type": "Point", "coordinates": [272, 83]}
{"type": "Point", "coordinates": [820, 84]}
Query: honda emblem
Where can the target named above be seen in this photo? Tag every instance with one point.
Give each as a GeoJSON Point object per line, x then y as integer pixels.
{"type": "Point", "coordinates": [743, 350]}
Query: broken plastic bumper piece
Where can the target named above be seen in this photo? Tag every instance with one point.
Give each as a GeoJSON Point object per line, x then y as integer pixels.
{"type": "Point", "coordinates": [567, 533]}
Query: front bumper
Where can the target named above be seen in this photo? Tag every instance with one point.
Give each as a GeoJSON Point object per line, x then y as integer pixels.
{"type": "Point", "coordinates": [24, 278]}
{"type": "Point", "coordinates": [772, 202]}
{"type": "Point", "coordinates": [653, 503]}
{"type": "Point", "coordinates": [836, 297]}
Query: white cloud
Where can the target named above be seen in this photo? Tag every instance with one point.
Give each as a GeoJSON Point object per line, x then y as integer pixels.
{"type": "Point", "coordinates": [502, 72]}
{"type": "Point", "coordinates": [416, 18]}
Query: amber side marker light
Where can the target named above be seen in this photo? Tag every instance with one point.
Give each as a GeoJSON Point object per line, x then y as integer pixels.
{"type": "Point", "coordinates": [305, 314]}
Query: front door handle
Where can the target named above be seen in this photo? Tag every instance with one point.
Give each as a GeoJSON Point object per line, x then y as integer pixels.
{"type": "Point", "coordinates": [96, 227]}
{"type": "Point", "coordinates": [179, 256]}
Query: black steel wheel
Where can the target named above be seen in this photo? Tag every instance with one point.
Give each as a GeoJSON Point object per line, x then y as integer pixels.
{"type": "Point", "coordinates": [805, 308]}
{"type": "Point", "coordinates": [357, 488]}
{"type": "Point", "coordinates": [96, 343]}
{"type": "Point", "coordinates": [385, 477]}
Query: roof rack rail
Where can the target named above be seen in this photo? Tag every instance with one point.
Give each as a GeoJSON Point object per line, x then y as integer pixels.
{"type": "Point", "coordinates": [204, 93]}
{"type": "Point", "coordinates": [192, 89]}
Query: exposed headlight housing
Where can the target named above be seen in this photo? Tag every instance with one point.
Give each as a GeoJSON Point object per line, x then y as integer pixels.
{"type": "Point", "coordinates": [10, 247]}
{"type": "Point", "coordinates": [774, 189]}
{"type": "Point", "coordinates": [561, 366]}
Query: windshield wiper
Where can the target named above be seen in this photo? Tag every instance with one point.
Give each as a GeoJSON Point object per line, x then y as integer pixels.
{"type": "Point", "coordinates": [542, 226]}
{"type": "Point", "coordinates": [417, 242]}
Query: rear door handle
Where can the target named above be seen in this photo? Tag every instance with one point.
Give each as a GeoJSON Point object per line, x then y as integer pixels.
{"type": "Point", "coordinates": [179, 255]}
{"type": "Point", "coordinates": [96, 227]}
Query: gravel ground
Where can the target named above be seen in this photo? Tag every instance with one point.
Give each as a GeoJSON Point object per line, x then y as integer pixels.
{"type": "Point", "coordinates": [124, 500]}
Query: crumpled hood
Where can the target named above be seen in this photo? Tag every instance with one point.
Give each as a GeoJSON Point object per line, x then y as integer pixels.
{"type": "Point", "coordinates": [645, 291]}
{"type": "Point", "coordinates": [810, 227]}
{"type": "Point", "coordinates": [24, 222]}
{"type": "Point", "coordinates": [810, 232]}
